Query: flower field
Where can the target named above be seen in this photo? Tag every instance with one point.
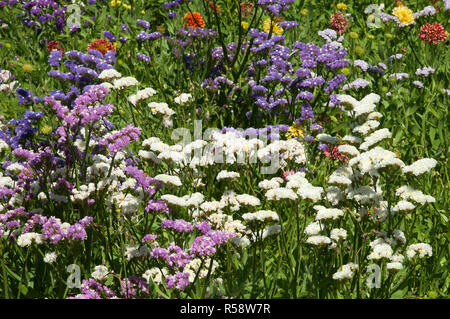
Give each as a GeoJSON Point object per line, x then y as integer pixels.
{"type": "Point", "coordinates": [224, 149]}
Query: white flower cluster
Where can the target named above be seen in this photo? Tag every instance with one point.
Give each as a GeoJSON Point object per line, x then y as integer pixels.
{"type": "Point", "coordinates": [345, 272]}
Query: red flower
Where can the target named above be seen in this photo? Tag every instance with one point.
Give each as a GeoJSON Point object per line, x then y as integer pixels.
{"type": "Point", "coordinates": [214, 7]}
{"type": "Point", "coordinates": [333, 153]}
{"type": "Point", "coordinates": [55, 45]}
{"type": "Point", "coordinates": [339, 23]}
{"type": "Point", "coordinates": [433, 33]}
{"type": "Point", "coordinates": [194, 20]}
{"type": "Point", "coordinates": [101, 45]}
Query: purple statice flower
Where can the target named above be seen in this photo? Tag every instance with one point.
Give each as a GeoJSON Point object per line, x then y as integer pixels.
{"type": "Point", "coordinates": [149, 238]}
{"type": "Point", "coordinates": [363, 65]}
{"type": "Point", "coordinates": [55, 58]}
{"type": "Point", "coordinates": [376, 70]}
{"type": "Point", "coordinates": [357, 84]}
{"type": "Point", "coordinates": [287, 25]}
{"type": "Point", "coordinates": [157, 206]}
{"type": "Point", "coordinates": [427, 11]}
{"type": "Point", "coordinates": [117, 141]}
{"type": "Point", "coordinates": [418, 84]}
{"type": "Point", "coordinates": [203, 227]}
{"type": "Point", "coordinates": [315, 127]}
{"type": "Point", "coordinates": [399, 76]}
{"type": "Point", "coordinates": [129, 286]}
{"type": "Point", "coordinates": [76, 232]}
{"type": "Point", "coordinates": [395, 57]}
{"type": "Point", "coordinates": [206, 244]}
{"type": "Point", "coordinates": [144, 24]}
{"type": "Point", "coordinates": [335, 82]}
{"type": "Point", "coordinates": [178, 225]}
{"type": "Point", "coordinates": [52, 230]}
{"type": "Point", "coordinates": [144, 58]}
{"type": "Point", "coordinates": [148, 184]}
{"type": "Point", "coordinates": [91, 289]}
{"type": "Point", "coordinates": [446, 5]}
{"type": "Point", "coordinates": [328, 34]}
{"type": "Point", "coordinates": [425, 71]}
{"type": "Point", "coordinates": [179, 281]}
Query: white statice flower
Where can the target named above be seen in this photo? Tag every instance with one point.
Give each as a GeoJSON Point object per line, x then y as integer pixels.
{"type": "Point", "coordinates": [375, 116]}
{"type": "Point", "coordinates": [325, 138]}
{"type": "Point", "coordinates": [351, 139]}
{"type": "Point", "coordinates": [161, 108]}
{"type": "Point", "coordinates": [270, 184]}
{"type": "Point", "coordinates": [338, 234]}
{"type": "Point", "coordinates": [50, 258]}
{"type": "Point", "coordinates": [339, 180]}
{"type": "Point", "coordinates": [281, 193]}
{"type": "Point", "coordinates": [421, 249]}
{"type": "Point", "coordinates": [364, 195]}
{"type": "Point", "coordinates": [403, 206]}
{"type": "Point", "coordinates": [228, 199]}
{"type": "Point", "coordinates": [407, 192]}
{"type": "Point", "coordinates": [168, 179]}
{"type": "Point", "coordinates": [366, 105]}
{"type": "Point", "coordinates": [176, 157]}
{"type": "Point", "coordinates": [3, 145]}
{"type": "Point", "coordinates": [313, 228]}
{"type": "Point", "coordinates": [271, 231]}
{"type": "Point", "coordinates": [149, 155]}
{"type": "Point", "coordinates": [109, 74]}
{"type": "Point", "coordinates": [15, 168]}
{"type": "Point", "coordinates": [366, 127]}
{"type": "Point", "coordinates": [224, 174]}
{"type": "Point", "coordinates": [125, 82]}
{"type": "Point", "coordinates": [381, 250]}
{"type": "Point", "coordinates": [242, 242]}
{"type": "Point", "coordinates": [335, 195]}
{"type": "Point", "coordinates": [149, 141]}
{"type": "Point", "coordinates": [324, 213]}
{"type": "Point", "coordinates": [421, 166]}
{"type": "Point", "coordinates": [195, 199]}
{"type": "Point", "coordinates": [141, 95]}
{"type": "Point", "coordinates": [183, 98]}
{"type": "Point", "coordinates": [310, 192]}
{"type": "Point", "coordinates": [249, 200]}
{"type": "Point", "coordinates": [100, 273]}
{"type": "Point", "coordinates": [398, 235]}
{"type": "Point", "coordinates": [261, 216]}
{"type": "Point", "coordinates": [155, 274]}
{"type": "Point", "coordinates": [129, 204]}
{"type": "Point", "coordinates": [136, 251]}
{"type": "Point", "coordinates": [214, 206]}
{"type": "Point", "coordinates": [318, 240]}
{"type": "Point", "coordinates": [345, 272]}
{"type": "Point", "coordinates": [26, 239]}
{"type": "Point", "coordinates": [375, 159]}
{"type": "Point", "coordinates": [374, 138]}
{"type": "Point", "coordinates": [348, 150]}
{"type": "Point", "coordinates": [107, 85]}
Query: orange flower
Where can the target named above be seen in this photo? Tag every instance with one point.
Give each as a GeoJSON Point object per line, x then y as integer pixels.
{"type": "Point", "coordinates": [101, 45]}
{"type": "Point", "coordinates": [194, 20]}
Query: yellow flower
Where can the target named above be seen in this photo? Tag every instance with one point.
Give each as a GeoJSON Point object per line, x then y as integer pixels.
{"type": "Point", "coordinates": [304, 12]}
{"type": "Point", "coordinates": [353, 35]}
{"type": "Point", "coordinates": [276, 29]}
{"type": "Point", "coordinates": [27, 67]}
{"type": "Point", "coordinates": [294, 131]}
{"type": "Point", "coordinates": [341, 6]}
{"type": "Point", "coordinates": [8, 45]}
{"type": "Point", "coordinates": [359, 50]}
{"type": "Point", "coordinates": [126, 6]}
{"type": "Point", "coordinates": [115, 3]}
{"type": "Point", "coordinates": [346, 71]}
{"type": "Point", "coordinates": [370, 36]}
{"type": "Point", "coordinates": [244, 25]}
{"type": "Point", "coordinates": [46, 129]}
{"type": "Point", "coordinates": [404, 15]}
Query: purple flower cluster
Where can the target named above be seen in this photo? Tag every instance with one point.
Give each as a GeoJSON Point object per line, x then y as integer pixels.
{"type": "Point", "coordinates": [206, 245]}
{"type": "Point", "coordinates": [117, 141]}
{"type": "Point", "coordinates": [179, 225]}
